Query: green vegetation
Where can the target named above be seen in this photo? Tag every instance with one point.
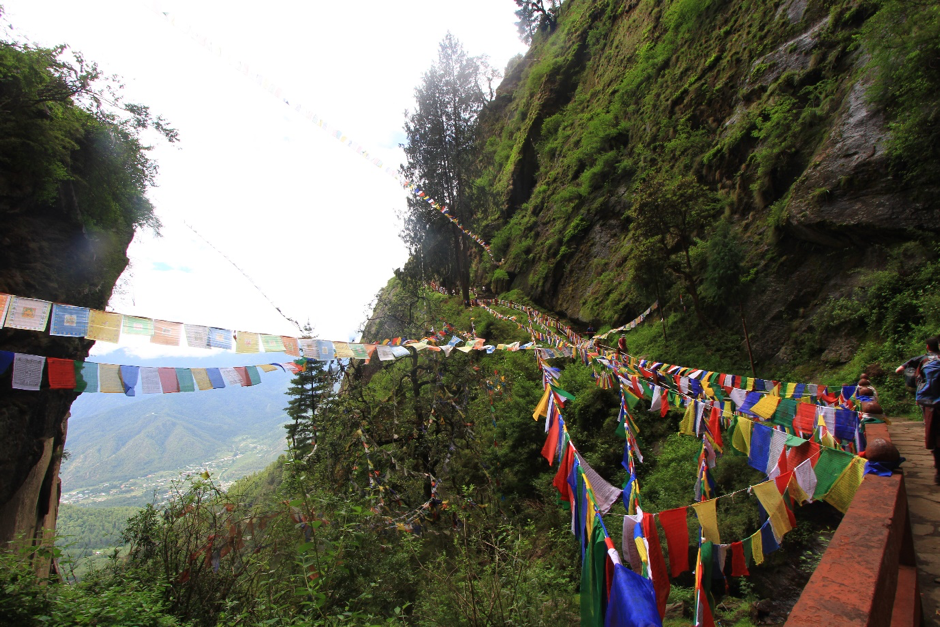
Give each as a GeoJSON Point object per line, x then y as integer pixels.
{"type": "Point", "coordinates": [68, 138]}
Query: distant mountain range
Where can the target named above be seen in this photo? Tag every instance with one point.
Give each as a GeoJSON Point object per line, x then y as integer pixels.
{"type": "Point", "coordinates": [122, 449]}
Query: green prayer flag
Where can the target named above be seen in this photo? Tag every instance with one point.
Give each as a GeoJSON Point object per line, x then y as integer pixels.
{"type": "Point", "coordinates": [561, 392]}
{"type": "Point", "coordinates": [784, 413]}
{"type": "Point", "coordinates": [185, 378]}
{"type": "Point", "coordinates": [592, 579]}
{"type": "Point", "coordinates": [86, 377]}
{"type": "Point", "coordinates": [748, 557]}
{"type": "Point", "coordinates": [830, 465]}
{"type": "Point", "coordinates": [253, 375]}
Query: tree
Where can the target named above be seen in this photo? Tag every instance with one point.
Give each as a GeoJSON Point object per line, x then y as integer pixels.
{"type": "Point", "coordinates": [725, 280]}
{"type": "Point", "coordinates": [310, 393]}
{"type": "Point", "coordinates": [536, 15]}
{"type": "Point", "coordinates": [667, 215]}
{"type": "Point", "coordinates": [440, 150]}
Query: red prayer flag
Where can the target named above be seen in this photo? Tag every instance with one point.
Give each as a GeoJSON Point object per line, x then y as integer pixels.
{"type": "Point", "coordinates": [657, 564]}
{"type": "Point", "coordinates": [714, 426]}
{"type": "Point", "coordinates": [168, 380]}
{"type": "Point", "coordinates": [738, 560]}
{"type": "Point", "coordinates": [564, 469]}
{"type": "Point", "coordinates": [675, 524]}
{"type": "Point", "coordinates": [61, 373]}
{"type": "Point", "coordinates": [243, 374]}
{"type": "Point", "coordinates": [805, 419]}
{"type": "Point", "coordinates": [551, 442]}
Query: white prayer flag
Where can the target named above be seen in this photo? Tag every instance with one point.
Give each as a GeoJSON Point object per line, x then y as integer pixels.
{"type": "Point", "coordinates": [27, 371]}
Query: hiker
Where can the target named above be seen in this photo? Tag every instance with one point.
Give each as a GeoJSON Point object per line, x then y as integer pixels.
{"type": "Point", "coordinates": [927, 381]}
{"type": "Point", "coordinates": [621, 347]}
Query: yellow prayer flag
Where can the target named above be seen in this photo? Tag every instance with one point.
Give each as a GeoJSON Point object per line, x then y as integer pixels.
{"type": "Point", "coordinates": [542, 408]}
{"type": "Point", "coordinates": [726, 411]}
{"type": "Point", "coordinates": [843, 490]}
{"type": "Point", "coordinates": [267, 367]}
{"type": "Point", "coordinates": [766, 407]}
{"type": "Point", "coordinates": [750, 384]}
{"type": "Point", "coordinates": [757, 548]}
{"type": "Point", "coordinates": [109, 379]}
{"type": "Point", "coordinates": [202, 379]}
{"type": "Point", "coordinates": [343, 351]}
{"type": "Point", "coordinates": [741, 438]}
{"type": "Point", "coordinates": [248, 342]}
{"type": "Point", "coordinates": [791, 388]}
{"type": "Point", "coordinates": [770, 497]}
{"type": "Point", "coordinates": [707, 515]}
{"type": "Point", "coordinates": [688, 420]}
{"type": "Point", "coordinates": [103, 326]}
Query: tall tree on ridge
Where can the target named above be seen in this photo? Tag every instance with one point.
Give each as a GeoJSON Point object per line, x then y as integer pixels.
{"type": "Point", "coordinates": [440, 147]}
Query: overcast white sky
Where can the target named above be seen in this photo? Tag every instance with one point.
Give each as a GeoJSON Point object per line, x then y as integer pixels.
{"type": "Point", "coordinates": [311, 222]}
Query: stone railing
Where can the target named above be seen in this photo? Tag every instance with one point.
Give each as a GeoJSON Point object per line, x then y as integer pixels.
{"type": "Point", "coordinates": [868, 575]}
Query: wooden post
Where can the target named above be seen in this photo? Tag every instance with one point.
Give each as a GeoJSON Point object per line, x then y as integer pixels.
{"type": "Point", "coordinates": [747, 340]}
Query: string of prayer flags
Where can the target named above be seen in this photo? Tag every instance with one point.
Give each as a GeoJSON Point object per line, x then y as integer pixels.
{"type": "Point", "coordinates": [69, 321]}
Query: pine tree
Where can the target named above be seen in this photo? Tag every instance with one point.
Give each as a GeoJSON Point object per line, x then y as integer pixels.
{"type": "Point", "coordinates": [440, 150]}
{"type": "Point", "coordinates": [310, 393]}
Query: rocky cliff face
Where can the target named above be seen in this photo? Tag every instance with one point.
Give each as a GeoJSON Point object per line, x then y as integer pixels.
{"type": "Point", "coordinates": [766, 104]}
{"type": "Point", "coordinates": [45, 253]}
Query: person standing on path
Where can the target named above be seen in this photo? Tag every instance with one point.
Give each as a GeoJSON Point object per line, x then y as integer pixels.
{"type": "Point", "coordinates": [621, 347]}
{"type": "Point", "coordinates": [927, 379]}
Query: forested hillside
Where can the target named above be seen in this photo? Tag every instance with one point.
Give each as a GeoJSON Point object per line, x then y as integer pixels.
{"type": "Point", "coordinates": [746, 165]}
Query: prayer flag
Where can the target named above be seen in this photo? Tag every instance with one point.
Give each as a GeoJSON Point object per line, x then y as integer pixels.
{"type": "Point", "coordinates": [246, 342]}
{"type": "Point", "coordinates": [770, 498]}
{"type": "Point", "coordinates": [291, 346]}
{"type": "Point", "coordinates": [385, 353]}
{"type": "Point", "coordinates": [27, 370]}
{"type": "Point", "coordinates": [759, 454]}
{"type": "Point", "coordinates": [4, 307]}
{"type": "Point", "coordinates": [657, 564]}
{"type": "Point", "coordinates": [68, 321]}
{"type": "Point", "coordinates": [129, 376]}
{"type": "Point", "coordinates": [220, 338]}
{"type": "Point", "coordinates": [150, 381]}
{"type": "Point", "coordinates": [675, 524]}
{"type": "Point", "coordinates": [272, 343]}
{"type": "Point", "coordinates": [137, 326]}
{"type": "Point", "coordinates": [215, 377]}
{"type": "Point", "coordinates": [738, 560]}
{"type": "Point", "coordinates": [86, 376]}
{"type": "Point", "coordinates": [231, 377]}
{"type": "Point", "coordinates": [184, 378]}
{"type": "Point", "coordinates": [168, 380]}
{"type": "Point", "coordinates": [103, 326]}
{"type": "Point", "coordinates": [196, 336]}
{"type": "Point", "coordinates": [202, 379]}
{"type": "Point", "coordinates": [166, 333]}
{"type": "Point", "coordinates": [832, 463]}
{"type": "Point", "coordinates": [254, 378]}
{"type": "Point", "coordinates": [843, 490]}
{"type": "Point", "coordinates": [342, 350]}
{"type": "Point", "coordinates": [766, 407]}
{"type": "Point", "coordinates": [29, 314]}
{"type": "Point", "coordinates": [61, 373]}
{"type": "Point", "coordinates": [359, 351]}
{"type": "Point", "coordinates": [707, 515]}
{"type": "Point", "coordinates": [109, 378]}
{"type": "Point", "coordinates": [632, 601]}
